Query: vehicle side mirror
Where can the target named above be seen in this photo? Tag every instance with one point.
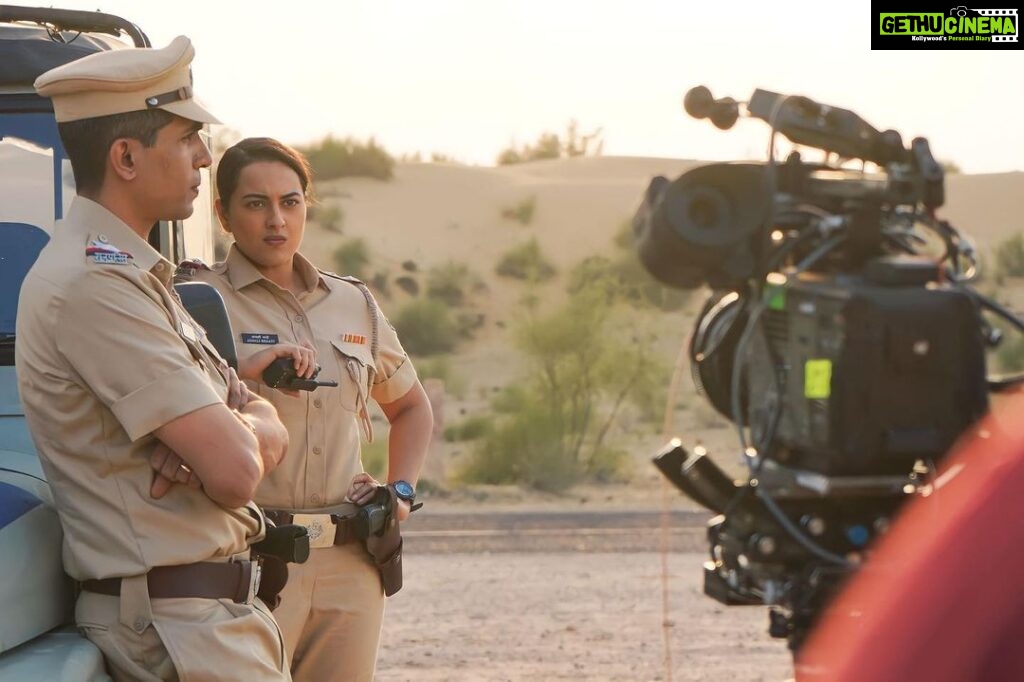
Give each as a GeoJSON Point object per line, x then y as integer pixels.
{"type": "Point", "coordinates": [206, 306]}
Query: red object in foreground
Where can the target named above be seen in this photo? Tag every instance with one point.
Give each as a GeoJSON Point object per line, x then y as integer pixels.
{"type": "Point", "coordinates": [942, 597]}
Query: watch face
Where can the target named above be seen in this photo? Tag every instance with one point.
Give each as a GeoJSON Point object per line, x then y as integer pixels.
{"type": "Point", "coordinates": [404, 490]}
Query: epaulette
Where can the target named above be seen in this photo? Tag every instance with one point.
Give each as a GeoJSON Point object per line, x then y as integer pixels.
{"type": "Point", "coordinates": [371, 303]}
{"type": "Point", "coordinates": [187, 269]}
{"type": "Point", "coordinates": [343, 278]}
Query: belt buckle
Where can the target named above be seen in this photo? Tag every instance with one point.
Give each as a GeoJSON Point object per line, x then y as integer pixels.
{"type": "Point", "coordinates": [319, 527]}
{"type": "Point", "coordinates": [254, 581]}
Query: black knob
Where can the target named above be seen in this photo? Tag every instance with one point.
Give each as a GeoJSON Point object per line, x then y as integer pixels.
{"type": "Point", "coordinates": [698, 102]}
{"type": "Point", "coordinates": [724, 113]}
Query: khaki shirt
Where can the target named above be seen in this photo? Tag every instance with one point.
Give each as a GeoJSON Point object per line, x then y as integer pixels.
{"type": "Point", "coordinates": [105, 355]}
{"type": "Point", "coordinates": [334, 316]}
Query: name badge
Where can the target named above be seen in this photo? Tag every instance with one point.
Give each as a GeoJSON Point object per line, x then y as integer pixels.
{"type": "Point", "coordinates": [259, 339]}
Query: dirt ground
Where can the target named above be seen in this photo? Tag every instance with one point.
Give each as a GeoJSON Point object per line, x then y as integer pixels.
{"type": "Point", "coordinates": [518, 604]}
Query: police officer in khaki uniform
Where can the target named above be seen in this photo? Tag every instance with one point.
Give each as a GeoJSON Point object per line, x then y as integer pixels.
{"type": "Point", "coordinates": [152, 446]}
{"type": "Point", "coordinates": [332, 607]}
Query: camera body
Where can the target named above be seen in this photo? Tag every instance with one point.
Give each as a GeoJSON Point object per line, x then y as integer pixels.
{"type": "Point", "coordinates": [849, 356]}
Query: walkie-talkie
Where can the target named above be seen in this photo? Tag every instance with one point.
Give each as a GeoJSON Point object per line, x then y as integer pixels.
{"type": "Point", "coordinates": [281, 374]}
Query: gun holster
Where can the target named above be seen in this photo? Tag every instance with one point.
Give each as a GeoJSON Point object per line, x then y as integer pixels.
{"type": "Point", "coordinates": [386, 544]}
{"type": "Point", "coordinates": [281, 545]}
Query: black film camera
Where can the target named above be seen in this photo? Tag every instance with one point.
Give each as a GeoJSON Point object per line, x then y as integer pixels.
{"type": "Point", "coordinates": [841, 339]}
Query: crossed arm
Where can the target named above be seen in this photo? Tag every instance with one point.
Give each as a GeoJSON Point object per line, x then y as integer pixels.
{"type": "Point", "coordinates": [227, 449]}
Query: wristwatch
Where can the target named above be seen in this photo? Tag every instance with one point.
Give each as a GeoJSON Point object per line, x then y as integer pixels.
{"type": "Point", "coordinates": [404, 491]}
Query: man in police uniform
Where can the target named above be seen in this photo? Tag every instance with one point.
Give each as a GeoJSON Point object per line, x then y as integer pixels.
{"type": "Point", "coordinates": [125, 399]}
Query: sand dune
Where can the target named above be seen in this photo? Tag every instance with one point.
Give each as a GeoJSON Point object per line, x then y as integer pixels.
{"type": "Point", "coordinates": [432, 213]}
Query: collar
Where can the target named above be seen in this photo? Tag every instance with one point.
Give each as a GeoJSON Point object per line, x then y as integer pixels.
{"type": "Point", "coordinates": [107, 228]}
{"type": "Point", "coordinates": [242, 272]}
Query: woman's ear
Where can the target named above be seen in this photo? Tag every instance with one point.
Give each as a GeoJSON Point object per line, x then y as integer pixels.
{"type": "Point", "coordinates": [222, 215]}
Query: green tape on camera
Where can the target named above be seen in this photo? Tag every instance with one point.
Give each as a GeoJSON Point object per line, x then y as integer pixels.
{"type": "Point", "coordinates": [817, 379]}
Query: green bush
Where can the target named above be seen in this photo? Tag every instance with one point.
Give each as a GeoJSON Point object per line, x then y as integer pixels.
{"type": "Point", "coordinates": [408, 285]}
{"type": "Point", "coordinates": [555, 429]}
{"type": "Point", "coordinates": [440, 367]}
{"type": "Point", "coordinates": [624, 279]}
{"type": "Point", "coordinates": [551, 146]}
{"type": "Point", "coordinates": [450, 283]}
{"type": "Point", "coordinates": [1010, 256]}
{"type": "Point", "coordinates": [379, 284]}
{"type": "Point", "coordinates": [375, 456]}
{"type": "Point", "coordinates": [526, 449]}
{"type": "Point", "coordinates": [426, 327]}
{"type": "Point", "coordinates": [526, 262]}
{"type": "Point", "coordinates": [331, 218]}
{"type": "Point", "coordinates": [333, 158]}
{"type": "Point", "coordinates": [470, 428]}
{"type": "Point", "coordinates": [352, 257]}
{"type": "Point", "coordinates": [521, 212]}
{"type": "Point", "coordinates": [625, 238]}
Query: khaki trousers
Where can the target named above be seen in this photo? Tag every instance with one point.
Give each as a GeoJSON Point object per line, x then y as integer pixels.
{"type": "Point", "coordinates": [191, 640]}
{"type": "Point", "coordinates": [330, 615]}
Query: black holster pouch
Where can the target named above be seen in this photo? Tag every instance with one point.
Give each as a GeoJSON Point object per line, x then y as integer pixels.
{"type": "Point", "coordinates": [386, 544]}
{"type": "Point", "coordinates": [288, 542]}
{"type": "Point", "coordinates": [281, 545]}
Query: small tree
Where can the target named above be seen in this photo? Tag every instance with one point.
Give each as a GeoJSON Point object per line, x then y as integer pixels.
{"type": "Point", "coordinates": [526, 262]}
{"type": "Point", "coordinates": [426, 327]}
{"type": "Point", "coordinates": [586, 365]}
{"type": "Point", "coordinates": [551, 146]}
{"type": "Point", "coordinates": [450, 283]}
{"type": "Point", "coordinates": [521, 212]}
{"type": "Point", "coordinates": [331, 217]}
{"type": "Point", "coordinates": [1010, 256]}
{"type": "Point", "coordinates": [337, 158]}
{"type": "Point", "coordinates": [352, 257]}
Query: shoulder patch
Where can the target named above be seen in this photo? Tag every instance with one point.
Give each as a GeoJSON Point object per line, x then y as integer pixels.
{"type": "Point", "coordinates": [107, 254]}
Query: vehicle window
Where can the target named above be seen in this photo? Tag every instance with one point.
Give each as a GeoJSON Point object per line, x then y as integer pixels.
{"type": "Point", "coordinates": [28, 207]}
{"type": "Point", "coordinates": [198, 232]}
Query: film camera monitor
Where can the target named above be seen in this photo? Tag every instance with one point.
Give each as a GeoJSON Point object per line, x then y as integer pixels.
{"type": "Point", "coordinates": [841, 338]}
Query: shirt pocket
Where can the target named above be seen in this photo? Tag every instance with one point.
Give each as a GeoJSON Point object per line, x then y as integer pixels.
{"type": "Point", "coordinates": [355, 374]}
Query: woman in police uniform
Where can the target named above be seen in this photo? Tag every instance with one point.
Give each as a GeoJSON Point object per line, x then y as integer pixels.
{"type": "Point", "coordinates": [332, 607]}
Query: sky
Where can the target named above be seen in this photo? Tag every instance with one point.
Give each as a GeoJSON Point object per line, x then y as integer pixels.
{"type": "Point", "coordinates": [467, 78]}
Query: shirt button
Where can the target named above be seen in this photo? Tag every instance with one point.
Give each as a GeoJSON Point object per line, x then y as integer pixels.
{"type": "Point", "coordinates": [139, 624]}
{"type": "Point", "coordinates": [317, 403]}
{"type": "Point", "coordinates": [315, 499]}
{"type": "Point", "coordinates": [103, 238]}
{"type": "Point", "coordinates": [298, 318]}
{"type": "Point", "coordinates": [316, 450]}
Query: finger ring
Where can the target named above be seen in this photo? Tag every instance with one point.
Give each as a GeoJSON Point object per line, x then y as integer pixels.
{"type": "Point", "coordinates": [184, 468]}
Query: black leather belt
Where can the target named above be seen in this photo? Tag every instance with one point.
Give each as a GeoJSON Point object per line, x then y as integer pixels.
{"type": "Point", "coordinates": [232, 580]}
{"type": "Point", "coordinates": [345, 528]}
